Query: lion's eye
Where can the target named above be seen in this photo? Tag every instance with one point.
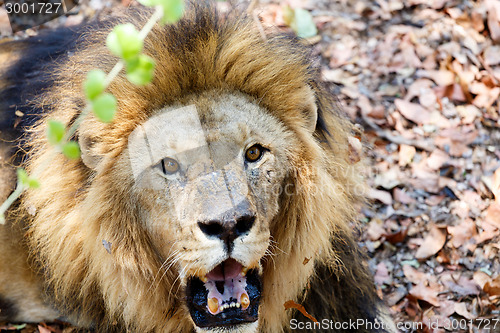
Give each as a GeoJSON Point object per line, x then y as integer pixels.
{"type": "Point", "coordinates": [169, 166]}
{"type": "Point", "coordinates": [254, 153]}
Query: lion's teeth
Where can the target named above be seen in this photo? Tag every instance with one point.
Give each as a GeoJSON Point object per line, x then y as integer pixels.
{"type": "Point", "coordinates": [244, 271]}
{"type": "Point", "coordinates": [245, 301]}
{"type": "Point", "coordinates": [213, 305]}
{"type": "Point", "coordinates": [204, 279]}
{"type": "Point", "coordinates": [238, 305]}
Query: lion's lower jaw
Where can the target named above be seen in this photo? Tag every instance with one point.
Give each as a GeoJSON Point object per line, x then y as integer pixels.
{"type": "Point", "coordinates": [242, 328]}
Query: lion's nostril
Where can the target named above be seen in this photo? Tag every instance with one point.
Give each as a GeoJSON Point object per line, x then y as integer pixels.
{"type": "Point", "coordinates": [244, 224]}
{"type": "Point", "coordinates": [211, 228]}
{"type": "Point", "coordinates": [228, 231]}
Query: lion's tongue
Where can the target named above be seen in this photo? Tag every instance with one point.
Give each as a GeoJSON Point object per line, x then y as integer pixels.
{"type": "Point", "coordinates": [233, 294]}
{"type": "Point", "coordinates": [227, 270]}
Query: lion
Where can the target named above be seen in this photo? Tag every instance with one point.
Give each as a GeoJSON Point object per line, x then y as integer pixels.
{"type": "Point", "coordinates": [219, 192]}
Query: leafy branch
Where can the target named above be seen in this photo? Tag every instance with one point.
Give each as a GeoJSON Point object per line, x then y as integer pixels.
{"type": "Point", "coordinates": [127, 43]}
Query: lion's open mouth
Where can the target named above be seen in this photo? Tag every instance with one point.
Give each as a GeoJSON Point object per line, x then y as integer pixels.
{"type": "Point", "coordinates": [227, 296]}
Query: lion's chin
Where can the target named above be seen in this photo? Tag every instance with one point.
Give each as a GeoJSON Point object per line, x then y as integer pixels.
{"type": "Point", "coordinates": [227, 298]}
{"type": "Point", "coordinates": [242, 328]}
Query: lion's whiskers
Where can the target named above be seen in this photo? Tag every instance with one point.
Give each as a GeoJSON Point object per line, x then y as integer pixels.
{"type": "Point", "coordinates": [274, 244]}
{"type": "Point", "coordinates": [271, 251]}
{"type": "Point", "coordinates": [169, 261]}
{"type": "Point", "coordinates": [182, 273]}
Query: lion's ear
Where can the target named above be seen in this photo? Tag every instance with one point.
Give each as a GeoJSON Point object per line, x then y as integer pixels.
{"type": "Point", "coordinates": [90, 157]}
{"type": "Point", "coordinates": [311, 110]}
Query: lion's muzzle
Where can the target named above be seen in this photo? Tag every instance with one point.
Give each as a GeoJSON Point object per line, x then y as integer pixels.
{"type": "Point", "coordinates": [228, 295]}
{"type": "Point", "coordinates": [233, 224]}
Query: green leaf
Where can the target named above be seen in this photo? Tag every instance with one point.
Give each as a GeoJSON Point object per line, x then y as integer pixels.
{"type": "Point", "coordinates": [19, 327]}
{"type": "Point", "coordinates": [172, 10]}
{"type": "Point", "coordinates": [33, 183]}
{"type": "Point", "coordinates": [94, 84]}
{"type": "Point", "coordinates": [301, 21]}
{"type": "Point", "coordinates": [55, 132]}
{"type": "Point", "coordinates": [71, 150]}
{"type": "Point", "coordinates": [288, 15]}
{"type": "Point", "coordinates": [140, 70]}
{"type": "Point", "coordinates": [22, 176]}
{"type": "Point", "coordinates": [124, 41]}
{"type": "Point", "coordinates": [25, 180]}
{"type": "Point", "coordinates": [148, 3]}
{"type": "Point", "coordinates": [104, 107]}
{"type": "Point", "coordinates": [413, 263]}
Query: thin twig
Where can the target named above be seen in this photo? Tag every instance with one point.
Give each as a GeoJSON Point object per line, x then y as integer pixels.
{"type": "Point", "coordinates": [157, 15]}
{"type": "Point", "coordinates": [425, 145]}
{"type": "Point", "coordinates": [253, 4]}
{"type": "Point", "coordinates": [251, 10]}
{"type": "Point", "coordinates": [10, 200]}
{"type": "Point", "coordinates": [259, 25]}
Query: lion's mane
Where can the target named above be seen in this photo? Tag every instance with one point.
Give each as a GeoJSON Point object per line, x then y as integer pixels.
{"type": "Point", "coordinates": [79, 207]}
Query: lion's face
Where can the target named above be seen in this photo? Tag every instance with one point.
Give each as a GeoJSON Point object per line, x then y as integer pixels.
{"type": "Point", "coordinates": [209, 174]}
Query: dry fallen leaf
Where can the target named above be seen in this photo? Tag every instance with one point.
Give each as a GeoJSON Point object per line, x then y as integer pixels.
{"type": "Point", "coordinates": [375, 229]}
{"type": "Point", "coordinates": [493, 7]}
{"type": "Point", "coordinates": [462, 232]}
{"type": "Point", "coordinates": [382, 274]}
{"type": "Point", "coordinates": [424, 178]}
{"type": "Point", "coordinates": [406, 154]}
{"type": "Point", "coordinates": [397, 237]}
{"type": "Point", "coordinates": [42, 329]}
{"type": "Point", "coordinates": [425, 293]}
{"type": "Point", "coordinates": [461, 309]}
{"type": "Point", "coordinates": [395, 296]}
{"type": "Point", "coordinates": [493, 214]}
{"type": "Point", "coordinates": [455, 140]}
{"type": "Point", "coordinates": [496, 185]}
{"type": "Point", "coordinates": [291, 304]}
{"type": "Point", "coordinates": [355, 149]}
{"type": "Point", "coordinates": [413, 111]}
{"type": "Point", "coordinates": [433, 242]}
{"type": "Point", "coordinates": [402, 196]}
{"type": "Point", "coordinates": [389, 179]}
{"type": "Point", "coordinates": [477, 21]}
{"type": "Point", "coordinates": [489, 231]}
{"type": "Point", "coordinates": [437, 159]}
{"type": "Point", "coordinates": [493, 287]}
{"type": "Point", "coordinates": [461, 285]}
{"type": "Point", "coordinates": [492, 55]}
{"type": "Point", "coordinates": [453, 91]}
{"type": "Point", "coordinates": [5, 28]}
{"type": "Point", "coordinates": [481, 278]}
{"type": "Point", "coordinates": [383, 196]}
{"type": "Point", "coordinates": [413, 275]}
{"type": "Point", "coordinates": [441, 77]}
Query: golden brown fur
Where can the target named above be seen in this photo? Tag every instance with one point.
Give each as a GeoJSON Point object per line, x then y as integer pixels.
{"type": "Point", "coordinates": [200, 60]}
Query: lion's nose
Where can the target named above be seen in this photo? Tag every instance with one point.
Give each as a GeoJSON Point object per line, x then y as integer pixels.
{"type": "Point", "coordinates": [228, 230]}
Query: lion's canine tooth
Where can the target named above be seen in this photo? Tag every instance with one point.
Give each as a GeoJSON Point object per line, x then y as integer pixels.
{"type": "Point", "coordinates": [213, 305]}
{"type": "Point", "coordinates": [245, 301]}
{"type": "Point", "coordinates": [244, 271]}
{"type": "Point", "coordinates": [203, 279]}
